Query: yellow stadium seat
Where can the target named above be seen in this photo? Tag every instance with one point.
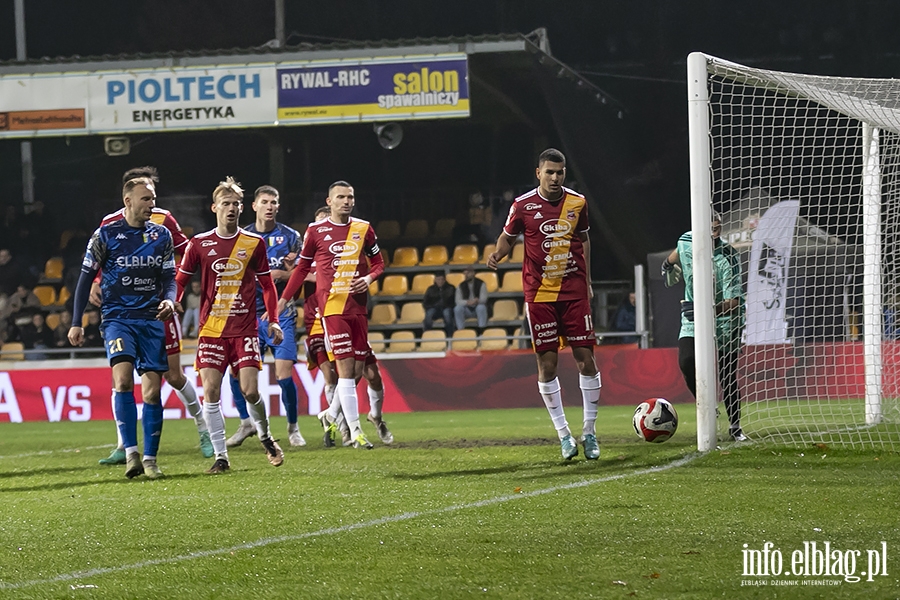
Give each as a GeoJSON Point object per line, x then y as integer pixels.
{"type": "Point", "coordinates": [518, 254]}
{"type": "Point", "coordinates": [433, 341]}
{"type": "Point", "coordinates": [464, 340]}
{"type": "Point", "coordinates": [455, 279]}
{"type": "Point", "coordinates": [465, 254]}
{"type": "Point", "coordinates": [417, 229]}
{"type": "Point", "coordinates": [373, 288]}
{"type": "Point", "coordinates": [385, 257]}
{"type": "Point", "coordinates": [412, 313]}
{"type": "Point", "coordinates": [402, 341]}
{"type": "Point", "coordinates": [512, 282]}
{"type": "Point", "coordinates": [421, 282]}
{"type": "Point", "coordinates": [52, 320]}
{"type": "Point", "coordinates": [394, 285]}
{"type": "Point", "coordinates": [383, 314]}
{"type": "Point", "coordinates": [493, 332]}
{"type": "Point", "coordinates": [405, 256]}
{"type": "Point", "coordinates": [490, 280]}
{"type": "Point", "coordinates": [488, 250]}
{"type": "Point", "coordinates": [434, 256]}
{"type": "Point", "coordinates": [376, 341]}
{"type": "Point", "coordinates": [187, 230]}
{"type": "Point", "coordinates": [301, 313]}
{"type": "Point", "coordinates": [12, 351]}
{"type": "Point", "coordinates": [64, 238]}
{"type": "Point", "coordinates": [443, 229]}
{"type": "Point", "coordinates": [505, 310]}
{"type": "Point", "coordinates": [387, 230]}
{"type": "Point", "coordinates": [63, 295]}
{"type": "Point", "coordinates": [46, 294]}
{"type": "Point", "coordinates": [53, 269]}
{"type": "Point", "coordinates": [189, 345]}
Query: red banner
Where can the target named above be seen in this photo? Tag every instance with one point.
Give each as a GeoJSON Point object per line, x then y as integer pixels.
{"type": "Point", "coordinates": [458, 381]}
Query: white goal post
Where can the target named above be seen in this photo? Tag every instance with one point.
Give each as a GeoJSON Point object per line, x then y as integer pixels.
{"type": "Point", "coordinates": [805, 173]}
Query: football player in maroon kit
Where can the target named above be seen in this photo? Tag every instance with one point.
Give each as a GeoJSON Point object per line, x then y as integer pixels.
{"type": "Point", "coordinates": [556, 277]}
{"type": "Point", "coordinates": [231, 261]}
{"type": "Point", "coordinates": [345, 252]}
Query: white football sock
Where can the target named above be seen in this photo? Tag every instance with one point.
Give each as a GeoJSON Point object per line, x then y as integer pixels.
{"type": "Point", "coordinates": [346, 391]}
{"type": "Point", "coordinates": [590, 397]}
{"type": "Point", "coordinates": [216, 423]}
{"type": "Point", "coordinates": [119, 443]}
{"type": "Point", "coordinates": [188, 397]}
{"type": "Point", "coordinates": [258, 414]}
{"type": "Point", "coordinates": [376, 399]}
{"type": "Point", "coordinates": [552, 395]}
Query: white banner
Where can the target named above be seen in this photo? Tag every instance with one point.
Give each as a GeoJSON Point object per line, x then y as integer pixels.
{"type": "Point", "coordinates": [770, 257]}
{"type": "Point", "coordinates": [216, 97]}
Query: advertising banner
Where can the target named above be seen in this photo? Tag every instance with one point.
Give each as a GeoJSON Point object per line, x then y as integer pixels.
{"type": "Point", "coordinates": [427, 87]}
{"type": "Point", "coordinates": [456, 382]}
{"type": "Point", "coordinates": [217, 97]}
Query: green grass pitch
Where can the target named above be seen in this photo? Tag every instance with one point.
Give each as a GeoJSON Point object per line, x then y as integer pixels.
{"type": "Point", "coordinates": [464, 504]}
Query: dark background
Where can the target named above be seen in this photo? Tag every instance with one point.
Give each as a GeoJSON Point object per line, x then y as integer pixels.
{"type": "Point", "coordinates": [634, 51]}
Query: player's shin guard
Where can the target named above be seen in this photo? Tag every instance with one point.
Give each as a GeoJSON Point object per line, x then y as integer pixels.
{"type": "Point", "coordinates": [289, 398]}
{"type": "Point", "coordinates": [258, 414]}
{"type": "Point", "coordinates": [126, 419]}
{"type": "Point", "coordinates": [346, 391]}
{"type": "Point", "coordinates": [239, 402]}
{"type": "Point", "coordinates": [376, 400]}
{"type": "Point", "coordinates": [590, 397]}
{"type": "Point", "coordinates": [152, 420]}
{"type": "Point", "coordinates": [552, 395]}
{"type": "Point", "coordinates": [216, 423]}
{"type": "Point", "coordinates": [188, 397]}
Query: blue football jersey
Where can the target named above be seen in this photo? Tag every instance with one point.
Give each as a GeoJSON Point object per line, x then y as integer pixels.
{"type": "Point", "coordinates": [280, 242]}
{"type": "Point", "coordinates": [138, 266]}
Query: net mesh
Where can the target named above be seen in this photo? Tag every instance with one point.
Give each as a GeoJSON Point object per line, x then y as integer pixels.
{"type": "Point", "coordinates": [787, 175]}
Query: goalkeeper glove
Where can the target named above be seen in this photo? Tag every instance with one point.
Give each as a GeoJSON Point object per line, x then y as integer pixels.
{"type": "Point", "coordinates": [687, 310]}
{"type": "Point", "coordinates": [671, 273]}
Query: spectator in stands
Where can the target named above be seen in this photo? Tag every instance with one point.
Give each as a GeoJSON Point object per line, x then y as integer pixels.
{"type": "Point", "coordinates": [625, 319]}
{"type": "Point", "coordinates": [474, 228]}
{"type": "Point", "coordinates": [23, 299]}
{"type": "Point", "coordinates": [10, 273]}
{"type": "Point", "coordinates": [61, 333]}
{"type": "Point", "coordinates": [92, 336]}
{"type": "Point", "coordinates": [439, 301]}
{"type": "Point", "coordinates": [42, 226]}
{"type": "Point", "coordinates": [36, 335]}
{"type": "Point", "coordinates": [191, 320]}
{"type": "Point", "coordinates": [500, 210]}
{"type": "Point", "coordinates": [471, 300]}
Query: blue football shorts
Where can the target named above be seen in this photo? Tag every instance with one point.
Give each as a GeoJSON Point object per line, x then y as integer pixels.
{"type": "Point", "coordinates": [142, 341]}
{"type": "Point", "coordinates": [287, 349]}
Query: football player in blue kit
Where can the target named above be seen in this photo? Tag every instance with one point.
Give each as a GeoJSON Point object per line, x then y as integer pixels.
{"type": "Point", "coordinates": [282, 246]}
{"type": "Point", "coordinates": [137, 259]}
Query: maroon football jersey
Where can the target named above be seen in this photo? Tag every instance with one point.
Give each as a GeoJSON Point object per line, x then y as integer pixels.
{"type": "Point", "coordinates": [228, 269]}
{"type": "Point", "coordinates": [554, 266]}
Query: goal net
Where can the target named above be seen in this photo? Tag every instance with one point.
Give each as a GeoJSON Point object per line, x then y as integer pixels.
{"type": "Point", "coordinates": [805, 173]}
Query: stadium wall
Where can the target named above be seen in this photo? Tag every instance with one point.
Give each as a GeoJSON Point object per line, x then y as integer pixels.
{"type": "Point", "coordinates": [52, 392]}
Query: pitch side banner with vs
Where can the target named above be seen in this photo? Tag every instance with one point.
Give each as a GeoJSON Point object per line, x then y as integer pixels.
{"type": "Point", "coordinates": [374, 90]}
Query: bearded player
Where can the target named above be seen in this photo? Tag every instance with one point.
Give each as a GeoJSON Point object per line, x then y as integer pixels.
{"type": "Point", "coordinates": [231, 261]}
{"type": "Point", "coordinates": [556, 276]}
{"type": "Point", "coordinates": [341, 248]}
{"type": "Point", "coordinates": [184, 389]}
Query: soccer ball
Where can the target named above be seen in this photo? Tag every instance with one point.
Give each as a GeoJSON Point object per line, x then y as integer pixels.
{"type": "Point", "coordinates": [655, 420]}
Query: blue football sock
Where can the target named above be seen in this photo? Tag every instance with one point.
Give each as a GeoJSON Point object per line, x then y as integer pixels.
{"type": "Point", "coordinates": [239, 403]}
{"type": "Point", "coordinates": [153, 423]}
{"type": "Point", "coordinates": [126, 418]}
{"type": "Point", "coordinates": [289, 398]}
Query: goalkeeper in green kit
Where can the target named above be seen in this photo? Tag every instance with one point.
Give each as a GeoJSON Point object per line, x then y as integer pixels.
{"type": "Point", "coordinates": [729, 299]}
